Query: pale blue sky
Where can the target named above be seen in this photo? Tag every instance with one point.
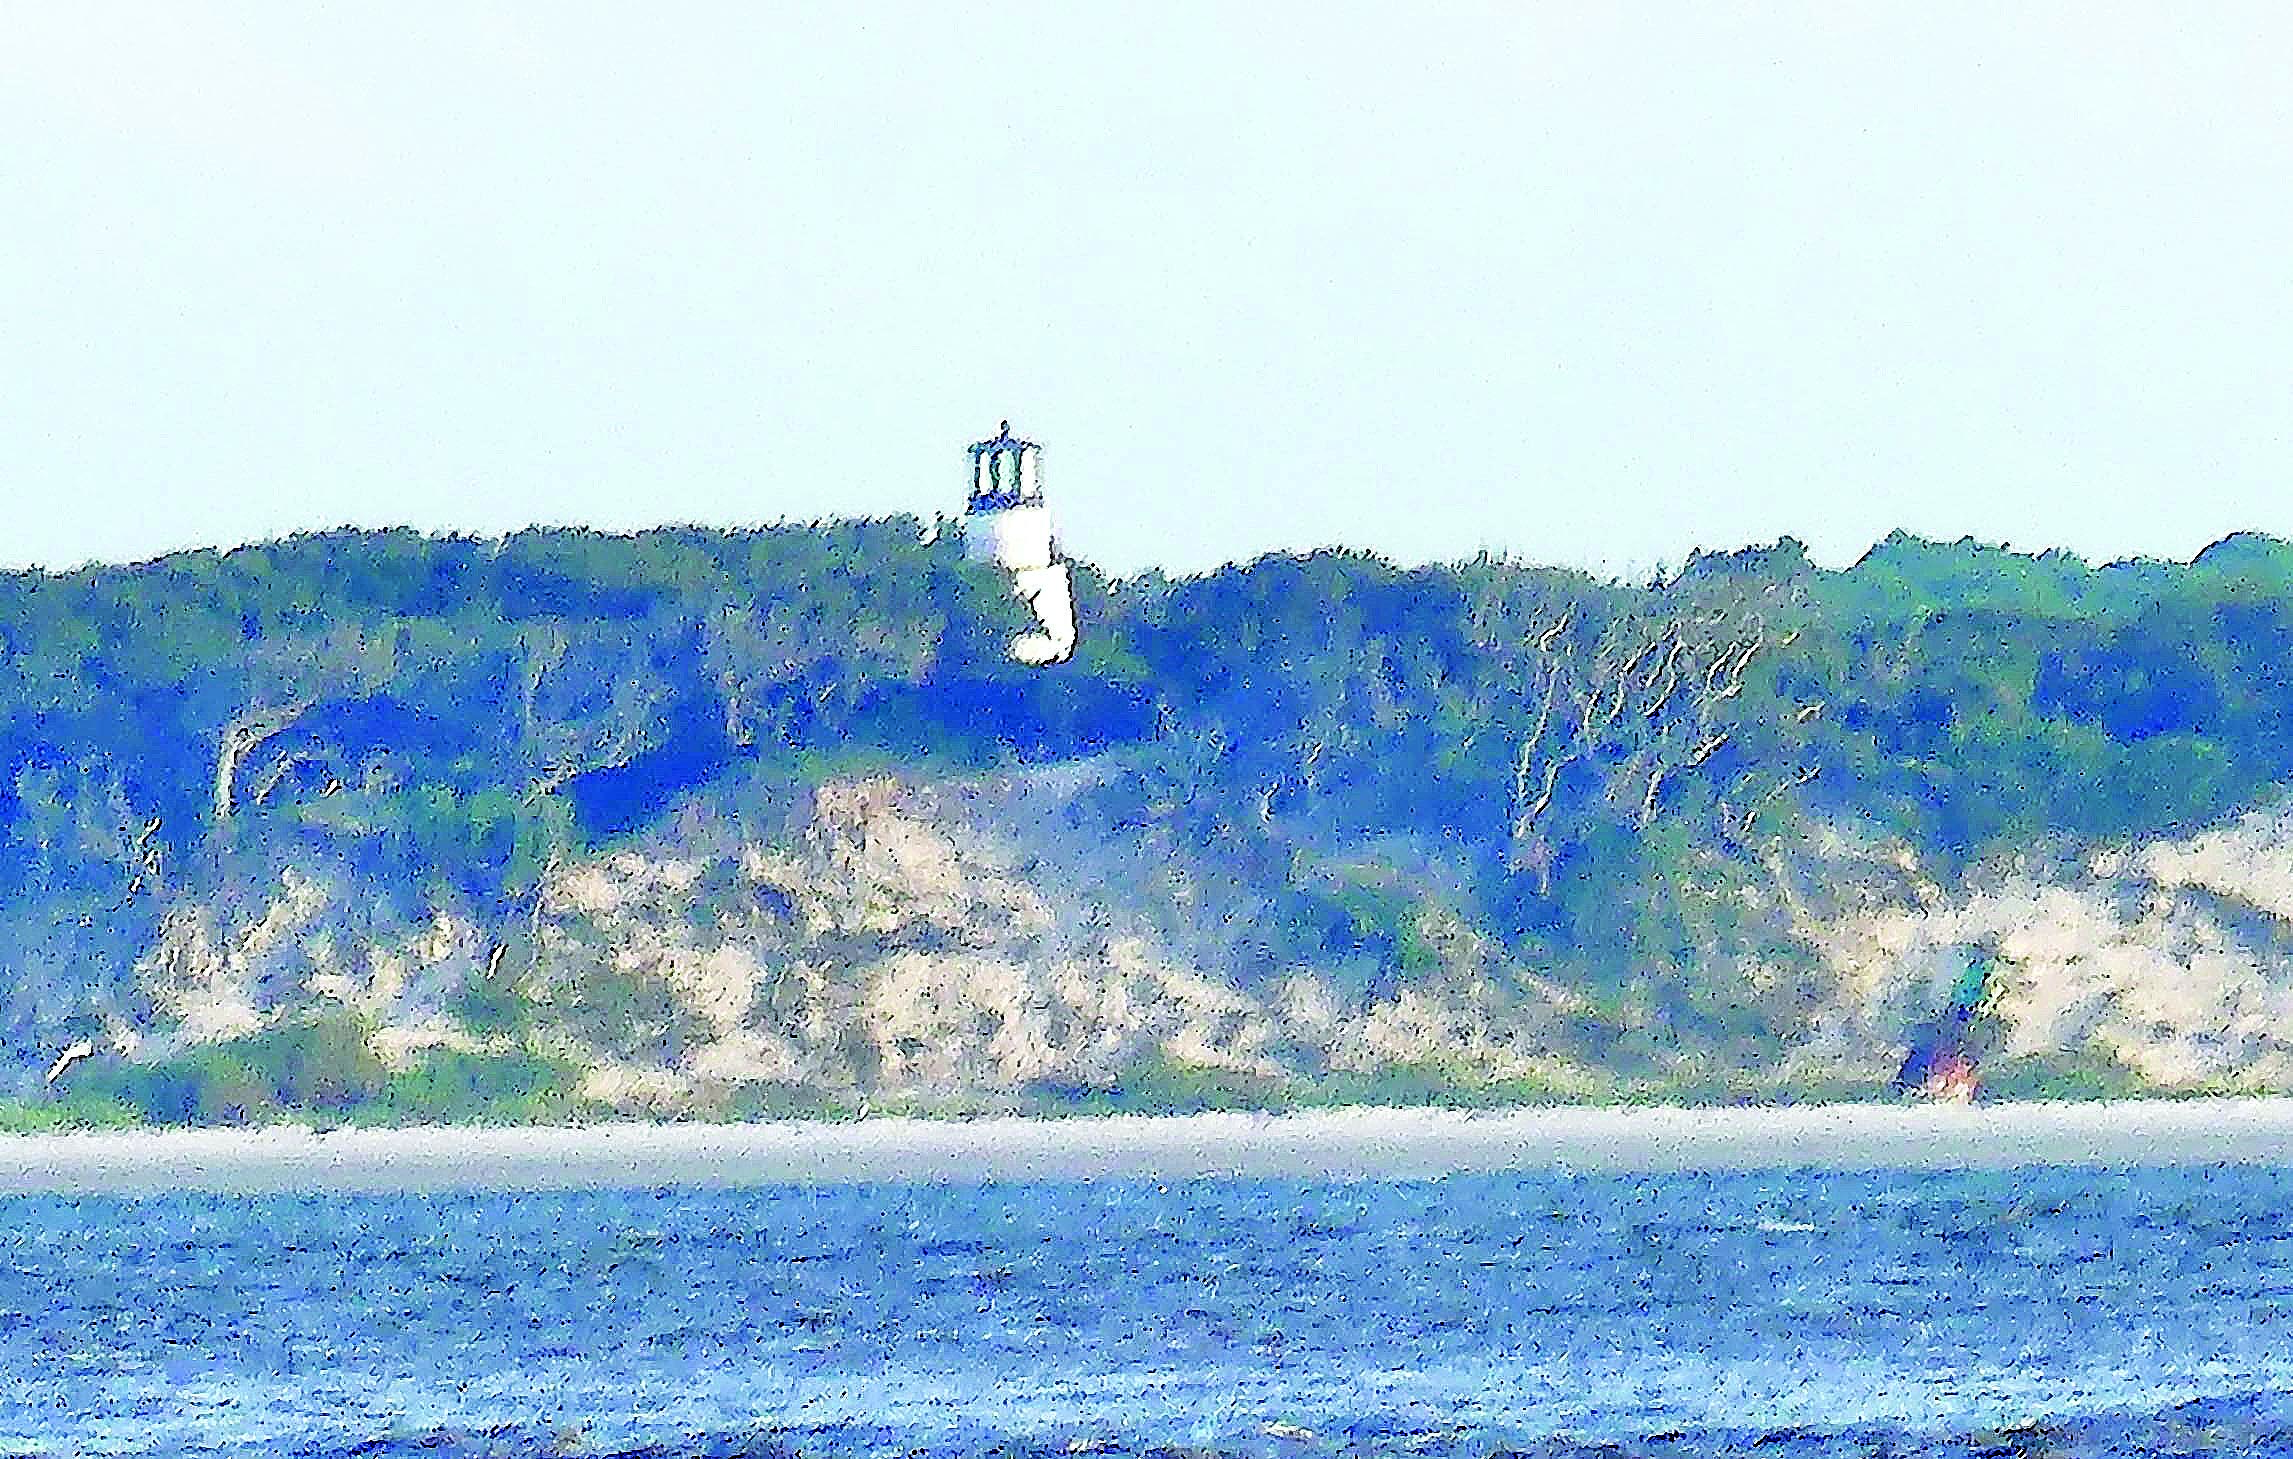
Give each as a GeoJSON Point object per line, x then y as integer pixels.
{"type": "Point", "coordinates": [1585, 284]}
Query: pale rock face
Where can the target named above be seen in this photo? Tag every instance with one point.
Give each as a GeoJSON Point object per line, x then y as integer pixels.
{"type": "Point", "coordinates": [591, 890]}
{"type": "Point", "coordinates": [622, 882]}
{"type": "Point", "coordinates": [2250, 860]}
{"type": "Point", "coordinates": [218, 984]}
{"type": "Point", "coordinates": [398, 1045]}
{"type": "Point", "coordinates": [721, 984]}
{"type": "Point", "coordinates": [954, 1021]}
{"type": "Point", "coordinates": [894, 943]}
{"type": "Point", "coordinates": [1194, 1019]}
{"type": "Point", "coordinates": [888, 947]}
{"type": "Point", "coordinates": [2167, 957]}
{"type": "Point", "coordinates": [211, 982]}
{"type": "Point", "coordinates": [903, 939]}
{"type": "Point", "coordinates": [636, 1087]}
{"type": "Point", "coordinates": [1410, 1028]}
{"type": "Point", "coordinates": [192, 983]}
{"type": "Point", "coordinates": [1309, 1008]}
{"type": "Point", "coordinates": [871, 864]}
{"type": "Point", "coordinates": [396, 982]}
{"type": "Point", "coordinates": [965, 1021]}
{"type": "Point", "coordinates": [1461, 1021]}
{"type": "Point", "coordinates": [749, 1056]}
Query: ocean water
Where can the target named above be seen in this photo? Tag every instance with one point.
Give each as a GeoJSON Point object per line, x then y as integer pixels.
{"type": "Point", "coordinates": [2039, 1311]}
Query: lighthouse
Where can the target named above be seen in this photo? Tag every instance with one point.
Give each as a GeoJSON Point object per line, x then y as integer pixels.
{"type": "Point", "coordinates": [1005, 523]}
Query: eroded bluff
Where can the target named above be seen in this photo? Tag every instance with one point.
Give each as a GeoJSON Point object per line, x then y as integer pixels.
{"type": "Point", "coordinates": [912, 940]}
{"type": "Point", "coordinates": [899, 942]}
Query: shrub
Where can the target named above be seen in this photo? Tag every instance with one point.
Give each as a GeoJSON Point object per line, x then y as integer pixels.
{"type": "Point", "coordinates": [453, 1085]}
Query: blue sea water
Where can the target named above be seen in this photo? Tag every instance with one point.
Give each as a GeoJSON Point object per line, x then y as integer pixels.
{"type": "Point", "coordinates": [2031, 1312]}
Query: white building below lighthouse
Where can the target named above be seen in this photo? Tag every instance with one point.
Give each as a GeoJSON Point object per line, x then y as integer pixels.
{"type": "Point", "coordinates": [1005, 522]}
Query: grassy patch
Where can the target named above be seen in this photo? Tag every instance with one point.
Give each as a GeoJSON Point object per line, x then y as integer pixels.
{"type": "Point", "coordinates": [1160, 1085]}
{"type": "Point", "coordinates": [451, 1086]}
{"type": "Point", "coordinates": [39, 1116]}
{"type": "Point", "coordinates": [2062, 1076]}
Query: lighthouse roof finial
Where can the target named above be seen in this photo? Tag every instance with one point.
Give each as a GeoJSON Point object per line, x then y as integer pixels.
{"type": "Point", "coordinates": [1002, 440]}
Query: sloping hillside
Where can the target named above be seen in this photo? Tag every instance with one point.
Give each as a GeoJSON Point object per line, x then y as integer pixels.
{"type": "Point", "coordinates": [381, 825]}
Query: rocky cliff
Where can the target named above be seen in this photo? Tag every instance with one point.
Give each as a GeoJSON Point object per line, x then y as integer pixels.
{"type": "Point", "coordinates": [960, 943]}
{"type": "Point", "coordinates": [2171, 960]}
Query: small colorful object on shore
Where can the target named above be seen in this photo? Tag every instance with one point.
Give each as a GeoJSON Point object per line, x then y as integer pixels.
{"type": "Point", "coordinates": [1940, 1066]}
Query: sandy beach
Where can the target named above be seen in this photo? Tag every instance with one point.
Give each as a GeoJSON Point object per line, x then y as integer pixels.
{"type": "Point", "coordinates": [1329, 1144]}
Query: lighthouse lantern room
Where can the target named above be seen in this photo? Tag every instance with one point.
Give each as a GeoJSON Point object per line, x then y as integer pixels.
{"type": "Point", "coordinates": [1005, 522]}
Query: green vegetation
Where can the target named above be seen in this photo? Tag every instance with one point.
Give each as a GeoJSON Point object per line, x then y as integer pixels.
{"type": "Point", "coordinates": [482, 1089]}
{"type": "Point", "coordinates": [1586, 777]}
{"type": "Point", "coordinates": [1160, 1085]}
{"type": "Point", "coordinates": [2062, 1076]}
{"type": "Point", "coordinates": [316, 1071]}
{"type": "Point", "coordinates": [39, 1115]}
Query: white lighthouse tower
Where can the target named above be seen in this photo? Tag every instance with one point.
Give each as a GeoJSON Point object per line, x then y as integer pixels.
{"type": "Point", "coordinates": [1006, 523]}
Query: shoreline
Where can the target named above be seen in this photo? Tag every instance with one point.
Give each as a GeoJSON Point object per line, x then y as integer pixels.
{"type": "Point", "coordinates": [1339, 1144]}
